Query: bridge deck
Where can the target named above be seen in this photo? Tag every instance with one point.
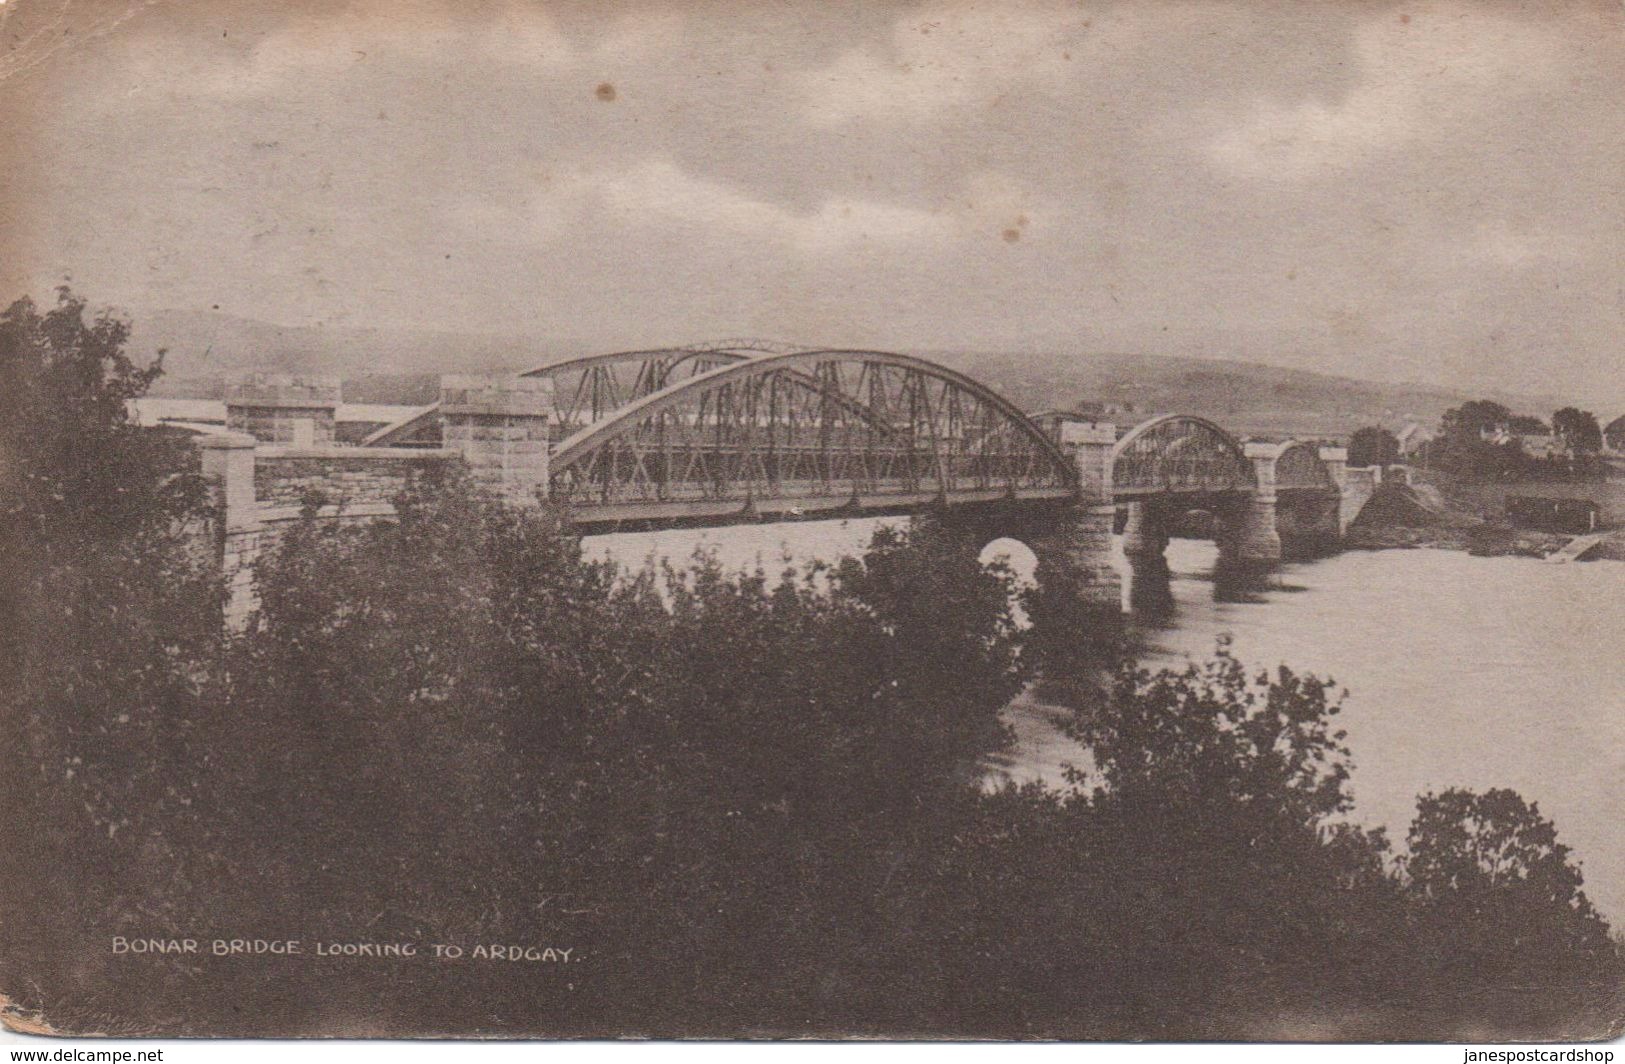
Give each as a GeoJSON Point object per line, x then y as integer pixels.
{"type": "Point", "coordinates": [592, 519]}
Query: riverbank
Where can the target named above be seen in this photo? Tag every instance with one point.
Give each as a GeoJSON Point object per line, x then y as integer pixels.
{"type": "Point", "coordinates": [1448, 514]}
{"type": "Point", "coordinates": [1486, 540]}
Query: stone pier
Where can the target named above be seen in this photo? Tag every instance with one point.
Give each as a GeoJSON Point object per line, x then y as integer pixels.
{"type": "Point", "coordinates": [228, 468]}
{"type": "Point", "coordinates": [291, 411]}
{"type": "Point", "coordinates": [1081, 542]}
{"type": "Point", "coordinates": [499, 425]}
{"type": "Point", "coordinates": [1071, 538]}
{"type": "Point", "coordinates": [1146, 530]}
{"type": "Point", "coordinates": [1359, 484]}
{"type": "Point", "coordinates": [1145, 534]}
{"type": "Point", "coordinates": [1072, 541]}
{"type": "Point", "coordinates": [1249, 535]}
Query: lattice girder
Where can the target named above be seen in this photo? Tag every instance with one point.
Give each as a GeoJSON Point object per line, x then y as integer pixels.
{"type": "Point", "coordinates": [1298, 467]}
{"type": "Point", "coordinates": [810, 425]}
{"type": "Point", "coordinates": [1179, 453]}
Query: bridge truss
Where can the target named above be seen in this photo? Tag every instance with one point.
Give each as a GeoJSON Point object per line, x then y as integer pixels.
{"type": "Point", "coordinates": [1179, 453]}
{"type": "Point", "coordinates": [1298, 468]}
{"type": "Point", "coordinates": [798, 431]}
{"type": "Point", "coordinates": [591, 388]}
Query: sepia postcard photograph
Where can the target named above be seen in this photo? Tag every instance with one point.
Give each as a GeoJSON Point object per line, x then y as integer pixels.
{"type": "Point", "coordinates": [907, 520]}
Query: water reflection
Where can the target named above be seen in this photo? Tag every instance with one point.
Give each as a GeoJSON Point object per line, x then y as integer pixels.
{"type": "Point", "coordinates": [1243, 582]}
{"type": "Point", "coordinates": [1150, 588]}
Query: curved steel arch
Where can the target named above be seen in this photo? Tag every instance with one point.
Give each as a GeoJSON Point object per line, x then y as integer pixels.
{"type": "Point", "coordinates": [674, 354]}
{"type": "Point", "coordinates": [729, 350]}
{"type": "Point", "coordinates": [1298, 467]}
{"type": "Point", "coordinates": [598, 389]}
{"type": "Point", "coordinates": [811, 424]}
{"type": "Point", "coordinates": [589, 388]}
{"type": "Point", "coordinates": [1179, 452]}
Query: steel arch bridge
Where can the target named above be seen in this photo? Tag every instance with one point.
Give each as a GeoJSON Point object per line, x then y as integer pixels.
{"type": "Point", "coordinates": [1177, 454]}
{"type": "Point", "coordinates": [730, 430]}
{"type": "Point", "coordinates": [751, 429]}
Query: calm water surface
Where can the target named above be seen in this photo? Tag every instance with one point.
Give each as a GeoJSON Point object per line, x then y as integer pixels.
{"type": "Point", "coordinates": [1461, 671]}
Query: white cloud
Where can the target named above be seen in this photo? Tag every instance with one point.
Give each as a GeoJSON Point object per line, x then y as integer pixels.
{"type": "Point", "coordinates": [382, 34]}
{"type": "Point", "coordinates": [1416, 72]}
{"type": "Point", "coordinates": [657, 193]}
{"type": "Point", "coordinates": [951, 54]}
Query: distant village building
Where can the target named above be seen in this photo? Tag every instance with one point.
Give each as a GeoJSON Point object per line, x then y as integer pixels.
{"type": "Point", "coordinates": [1541, 445]}
{"type": "Point", "coordinates": [1412, 438]}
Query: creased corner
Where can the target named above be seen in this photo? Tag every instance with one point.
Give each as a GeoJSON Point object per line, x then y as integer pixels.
{"type": "Point", "coordinates": [16, 1018]}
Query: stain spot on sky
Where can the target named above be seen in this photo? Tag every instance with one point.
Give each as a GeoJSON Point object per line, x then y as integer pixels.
{"type": "Point", "coordinates": [605, 92]}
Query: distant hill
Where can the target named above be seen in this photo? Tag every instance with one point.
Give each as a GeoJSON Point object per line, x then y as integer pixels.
{"type": "Point", "coordinates": [1246, 397]}
{"type": "Point", "coordinates": [402, 366]}
{"type": "Point", "coordinates": [201, 344]}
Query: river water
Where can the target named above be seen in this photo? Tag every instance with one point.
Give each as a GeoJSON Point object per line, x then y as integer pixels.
{"type": "Point", "coordinates": [1460, 671]}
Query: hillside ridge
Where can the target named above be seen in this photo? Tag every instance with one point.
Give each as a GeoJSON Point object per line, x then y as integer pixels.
{"type": "Point", "coordinates": [384, 365]}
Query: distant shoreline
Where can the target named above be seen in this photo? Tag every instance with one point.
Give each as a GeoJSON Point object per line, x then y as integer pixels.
{"type": "Point", "coordinates": [1484, 542]}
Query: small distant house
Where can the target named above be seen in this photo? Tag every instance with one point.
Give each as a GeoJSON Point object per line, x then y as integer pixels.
{"type": "Point", "coordinates": [1412, 438]}
{"type": "Point", "coordinates": [1541, 445]}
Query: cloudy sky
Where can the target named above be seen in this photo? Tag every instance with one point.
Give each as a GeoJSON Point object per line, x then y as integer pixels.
{"type": "Point", "coordinates": [1430, 190]}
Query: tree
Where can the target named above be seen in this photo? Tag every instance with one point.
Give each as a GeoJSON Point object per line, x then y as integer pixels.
{"type": "Point", "coordinates": [1211, 822]}
{"type": "Point", "coordinates": [1497, 893]}
{"type": "Point", "coordinates": [96, 543]}
{"type": "Point", "coordinates": [1578, 430]}
{"type": "Point", "coordinates": [1373, 446]}
{"type": "Point", "coordinates": [1471, 418]}
{"type": "Point", "coordinates": [729, 768]}
{"type": "Point", "coordinates": [1464, 448]}
{"type": "Point", "coordinates": [111, 617]}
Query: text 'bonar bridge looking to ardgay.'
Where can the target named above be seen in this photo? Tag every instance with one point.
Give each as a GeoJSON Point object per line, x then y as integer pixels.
{"type": "Point", "coordinates": [748, 431]}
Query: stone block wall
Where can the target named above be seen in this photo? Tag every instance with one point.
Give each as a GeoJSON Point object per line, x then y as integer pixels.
{"type": "Point", "coordinates": [346, 476]}
{"type": "Point", "coordinates": [259, 492]}
{"type": "Point", "coordinates": [1090, 444]}
{"type": "Point", "coordinates": [1359, 484]}
{"type": "Point", "coordinates": [281, 409]}
{"type": "Point", "coordinates": [499, 425]}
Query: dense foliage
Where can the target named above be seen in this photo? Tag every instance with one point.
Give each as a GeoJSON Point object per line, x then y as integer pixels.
{"type": "Point", "coordinates": [1483, 440]}
{"type": "Point", "coordinates": [745, 802]}
{"type": "Point", "coordinates": [107, 620]}
{"type": "Point", "coordinates": [1577, 430]}
{"type": "Point", "coordinates": [1373, 446]}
